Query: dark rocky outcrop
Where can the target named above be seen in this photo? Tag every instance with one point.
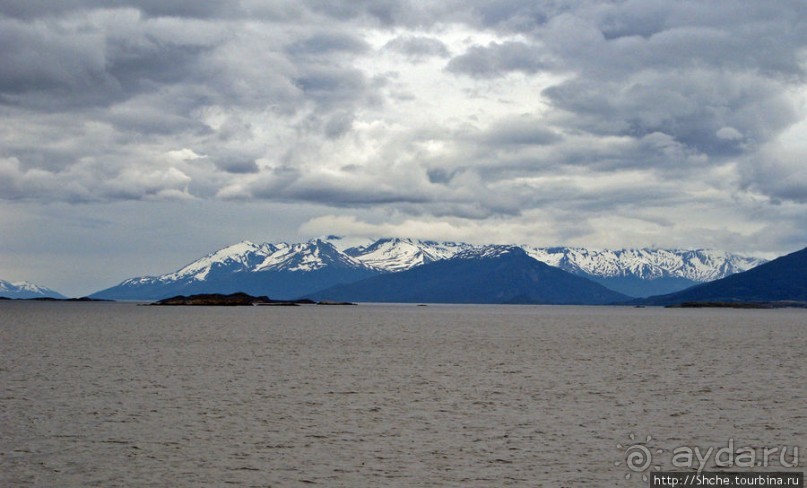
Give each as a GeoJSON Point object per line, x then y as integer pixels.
{"type": "Point", "coordinates": [236, 299]}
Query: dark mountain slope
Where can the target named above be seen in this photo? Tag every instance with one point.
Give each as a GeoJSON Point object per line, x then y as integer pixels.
{"type": "Point", "coordinates": [491, 276]}
{"type": "Point", "coordinates": [784, 278]}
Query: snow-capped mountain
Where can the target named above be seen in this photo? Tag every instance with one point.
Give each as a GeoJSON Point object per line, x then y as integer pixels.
{"type": "Point", "coordinates": [782, 280]}
{"type": "Point", "coordinates": [698, 265]}
{"type": "Point", "coordinates": [249, 257]}
{"type": "Point", "coordinates": [284, 270]}
{"type": "Point", "coordinates": [309, 256]}
{"type": "Point", "coordinates": [488, 274]}
{"type": "Point", "coordinates": [646, 272]}
{"type": "Point", "coordinates": [399, 254]}
{"type": "Point", "coordinates": [24, 289]}
{"type": "Point", "coordinates": [634, 272]}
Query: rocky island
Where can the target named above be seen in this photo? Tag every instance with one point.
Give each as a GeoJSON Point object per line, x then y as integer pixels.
{"type": "Point", "coordinates": [238, 299]}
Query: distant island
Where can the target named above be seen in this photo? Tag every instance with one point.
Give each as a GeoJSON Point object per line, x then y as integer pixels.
{"type": "Point", "coordinates": [238, 299]}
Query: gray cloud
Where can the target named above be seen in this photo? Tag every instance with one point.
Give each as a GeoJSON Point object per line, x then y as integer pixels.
{"type": "Point", "coordinates": [52, 68]}
{"type": "Point", "coordinates": [418, 47]}
{"type": "Point", "coordinates": [328, 43]}
{"type": "Point", "coordinates": [498, 59]}
{"type": "Point", "coordinates": [151, 8]}
{"type": "Point", "coordinates": [383, 12]}
{"type": "Point", "coordinates": [331, 86]}
{"type": "Point", "coordinates": [685, 105]}
{"type": "Point", "coordinates": [520, 131]}
{"type": "Point", "coordinates": [583, 116]}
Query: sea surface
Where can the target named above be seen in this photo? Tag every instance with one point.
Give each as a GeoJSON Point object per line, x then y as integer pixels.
{"type": "Point", "coordinates": [115, 394]}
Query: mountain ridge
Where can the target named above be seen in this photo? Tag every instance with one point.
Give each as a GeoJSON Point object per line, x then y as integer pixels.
{"type": "Point", "coordinates": [27, 290]}
{"type": "Point", "coordinates": [783, 279]}
{"type": "Point", "coordinates": [289, 270]}
{"type": "Point", "coordinates": [282, 271]}
{"type": "Point", "coordinates": [500, 275]}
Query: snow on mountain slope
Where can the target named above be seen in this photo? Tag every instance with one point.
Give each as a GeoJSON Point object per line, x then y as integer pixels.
{"type": "Point", "coordinates": [243, 256]}
{"type": "Point", "coordinates": [343, 243]}
{"type": "Point", "coordinates": [248, 257]}
{"type": "Point", "coordinates": [302, 267]}
{"type": "Point", "coordinates": [699, 265]}
{"type": "Point", "coordinates": [308, 256]}
{"type": "Point", "coordinates": [399, 254]}
{"type": "Point", "coordinates": [282, 270]}
{"type": "Point", "coordinates": [486, 252]}
{"type": "Point", "coordinates": [24, 289]}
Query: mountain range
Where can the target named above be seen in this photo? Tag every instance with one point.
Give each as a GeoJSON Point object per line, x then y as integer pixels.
{"type": "Point", "coordinates": [493, 275]}
{"type": "Point", "coordinates": [24, 290]}
{"type": "Point", "coordinates": [783, 279]}
{"type": "Point", "coordinates": [281, 271]}
{"type": "Point", "coordinates": [288, 271]}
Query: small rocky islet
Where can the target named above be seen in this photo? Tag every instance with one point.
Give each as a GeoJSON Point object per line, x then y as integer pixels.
{"type": "Point", "coordinates": [238, 299]}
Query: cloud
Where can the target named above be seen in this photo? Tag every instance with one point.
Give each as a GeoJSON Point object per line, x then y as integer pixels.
{"type": "Point", "coordinates": [520, 131]}
{"type": "Point", "coordinates": [70, 67]}
{"type": "Point", "coordinates": [417, 48]}
{"type": "Point", "coordinates": [498, 59]}
{"type": "Point", "coordinates": [328, 43]}
{"type": "Point", "coordinates": [150, 8]}
{"type": "Point", "coordinates": [581, 116]}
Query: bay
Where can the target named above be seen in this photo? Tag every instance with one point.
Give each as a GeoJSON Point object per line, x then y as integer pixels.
{"type": "Point", "coordinates": [115, 394]}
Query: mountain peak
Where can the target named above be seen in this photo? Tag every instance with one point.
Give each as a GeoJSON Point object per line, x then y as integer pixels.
{"type": "Point", "coordinates": [636, 272]}
{"type": "Point", "coordinates": [492, 251]}
{"type": "Point", "coordinates": [26, 289]}
{"type": "Point", "coordinates": [242, 254]}
{"type": "Point", "coordinates": [495, 274]}
{"type": "Point", "coordinates": [783, 279]}
{"type": "Point", "coordinates": [397, 254]}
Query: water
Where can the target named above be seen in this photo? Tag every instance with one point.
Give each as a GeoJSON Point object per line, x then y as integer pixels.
{"type": "Point", "coordinates": [125, 395]}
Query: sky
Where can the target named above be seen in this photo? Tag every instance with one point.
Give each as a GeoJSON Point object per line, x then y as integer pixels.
{"type": "Point", "coordinates": [136, 136]}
